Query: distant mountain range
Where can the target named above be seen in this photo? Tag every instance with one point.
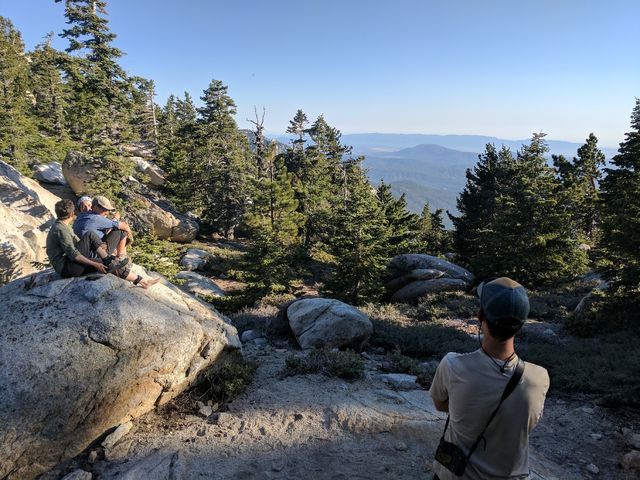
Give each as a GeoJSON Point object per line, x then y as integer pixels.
{"type": "Point", "coordinates": [431, 168]}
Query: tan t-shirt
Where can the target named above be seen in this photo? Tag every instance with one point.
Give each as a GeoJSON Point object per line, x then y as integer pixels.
{"type": "Point", "coordinates": [474, 384]}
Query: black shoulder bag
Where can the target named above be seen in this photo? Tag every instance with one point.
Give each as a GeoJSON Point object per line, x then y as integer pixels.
{"type": "Point", "coordinates": [449, 455]}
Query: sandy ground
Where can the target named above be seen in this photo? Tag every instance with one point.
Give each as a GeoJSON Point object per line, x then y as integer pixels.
{"type": "Point", "coordinates": [315, 427]}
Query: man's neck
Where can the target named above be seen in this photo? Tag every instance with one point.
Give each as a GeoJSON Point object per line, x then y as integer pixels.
{"type": "Point", "coordinates": [66, 221]}
{"type": "Point", "coordinates": [499, 349]}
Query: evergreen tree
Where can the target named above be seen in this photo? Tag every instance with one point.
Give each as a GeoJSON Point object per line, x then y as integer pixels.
{"type": "Point", "coordinates": [360, 242]}
{"type": "Point", "coordinates": [621, 214]}
{"type": "Point", "coordinates": [101, 94]}
{"type": "Point", "coordinates": [580, 179]}
{"type": "Point", "coordinates": [17, 127]}
{"type": "Point", "coordinates": [143, 115]}
{"type": "Point", "coordinates": [535, 239]}
{"type": "Point", "coordinates": [432, 236]}
{"type": "Point", "coordinates": [402, 225]}
{"type": "Point", "coordinates": [515, 219]}
{"type": "Point", "coordinates": [275, 224]}
{"type": "Point", "coordinates": [220, 164]}
{"type": "Point", "coordinates": [50, 102]}
{"type": "Point", "coordinates": [474, 238]}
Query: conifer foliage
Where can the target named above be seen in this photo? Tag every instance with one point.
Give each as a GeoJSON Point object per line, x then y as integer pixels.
{"type": "Point", "coordinates": [516, 219]}
{"type": "Point", "coordinates": [621, 214]}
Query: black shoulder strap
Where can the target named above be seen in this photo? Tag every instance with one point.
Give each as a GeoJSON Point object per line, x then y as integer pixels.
{"type": "Point", "coordinates": [508, 390]}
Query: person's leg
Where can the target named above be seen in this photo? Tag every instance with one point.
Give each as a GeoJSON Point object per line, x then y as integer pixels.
{"type": "Point", "coordinates": [90, 243]}
{"type": "Point", "coordinates": [145, 283]}
{"type": "Point", "coordinates": [116, 241]}
{"type": "Point", "coordinates": [74, 269]}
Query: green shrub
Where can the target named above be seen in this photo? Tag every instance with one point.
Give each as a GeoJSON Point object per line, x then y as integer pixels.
{"type": "Point", "coordinates": [447, 305]}
{"type": "Point", "coordinates": [603, 314]}
{"type": "Point", "coordinates": [402, 364]}
{"type": "Point", "coordinates": [333, 363]}
{"type": "Point", "coordinates": [160, 256]}
{"type": "Point", "coordinates": [225, 380]}
{"type": "Point", "coordinates": [232, 303]}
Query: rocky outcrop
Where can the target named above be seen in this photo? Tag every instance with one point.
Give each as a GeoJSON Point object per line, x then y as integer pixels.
{"type": "Point", "coordinates": [26, 213]}
{"type": "Point", "coordinates": [197, 259]}
{"type": "Point", "coordinates": [151, 170]}
{"type": "Point", "coordinates": [322, 322]}
{"type": "Point", "coordinates": [81, 356]}
{"type": "Point", "coordinates": [79, 170]}
{"type": "Point", "coordinates": [148, 212]}
{"type": "Point", "coordinates": [200, 285]}
{"type": "Point", "coordinates": [49, 173]}
{"type": "Point", "coordinates": [414, 275]}
{"type": "Point", "coordinates": [145, 210]}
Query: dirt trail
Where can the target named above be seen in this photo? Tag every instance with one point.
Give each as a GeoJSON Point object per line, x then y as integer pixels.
{"type": "Point", "coordinates": [314, 427]}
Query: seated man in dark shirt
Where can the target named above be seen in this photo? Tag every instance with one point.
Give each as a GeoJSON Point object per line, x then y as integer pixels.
{"type": "Point", "coordinates": [70, 255]}
{"type": "Point", "coordinates": [113, 232]}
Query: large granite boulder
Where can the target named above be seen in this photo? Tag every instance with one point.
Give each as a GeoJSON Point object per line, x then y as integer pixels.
{"type": "Point", "coordinates": [148, 212]}
{"type": "Point", "coordinates": [49, 173]}
{"type": "Point", "coordinates": [323, 322]}
{"type": "Point", "coordinates": [80, 356]}
{"type": "Point", "coordinates": [26, 213]}
{"type": "Point", "coordinates": [79, 170]}
{"type": "Point", "coordinates": [413, 275]}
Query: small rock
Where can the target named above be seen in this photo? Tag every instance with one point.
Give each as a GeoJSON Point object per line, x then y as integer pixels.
{"type": "Point", "coordinates": [591, 468]}
{"type": "Point", "coordinates": [202, 432]}
{"type": "Point", "coordinates": [631, 439]}
{"type": "Point", "coordinates": [588, 410]}
{"type": "Point", "coordinates": [596, 436]}
{"type": "Point", "coordinates": [78, 475]}
{"type": "Point", "coordinates": [205, 410]}
{"type": "Point", "coordinates": [401, 447]}
{"type": "Point", "coordinates": [297, 417]}
{"type": "Point", "coordinates": [249, 335]}
{"type": "Point", "coordinates": [401, 381]}
{"type": "Point", "coordinates": [549, 333]}
{"type": "Point", "coordinates": [93, 456]}
{"type": "Point", "coordinates": [115, 436]}
{"type": "Point", "coordinates": [277, 465]}
{"type": "Point", "coordinates": [631, 461]}
{"type": "Point", "coordinates": [260, 342]}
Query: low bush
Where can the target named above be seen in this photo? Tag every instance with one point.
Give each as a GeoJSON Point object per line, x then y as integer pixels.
{"type": "Point", "coordinates": [225, 380]}
{"type": "Point", "coordinates": [333, 363]}
{"type": "Point", "coordinates": [402, 364]}
{"type": "Point", "coordinates": [160, 256]}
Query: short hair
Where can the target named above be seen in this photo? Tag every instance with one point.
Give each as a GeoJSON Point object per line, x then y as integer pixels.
{"type": "Point", "coordinates": [64, 209]}
{"type": "Point", "coordinates": [503, 329]}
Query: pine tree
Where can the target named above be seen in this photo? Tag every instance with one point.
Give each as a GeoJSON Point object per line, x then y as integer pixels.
{"type": "Point", "coordinates": [402, 225]}
{"type": "Point", "coordinates": [432, 236]}
{"type": "Point", "coordinates": [275, 224]}
{"type": "Point", "coordinates": [580, 179]}
{"type": "Point", "coordinates": [474, 238]}
{"type": "Point", "coordinates": [535, 240]}
{"type": "Point", "coordinates": [621, 214]}
{"type": "Point", "coordinates": [17, 127]}
{"type": "Point", "coordinates": [220, 164]}
{"type": "Point", "coordinates": [360, 242]}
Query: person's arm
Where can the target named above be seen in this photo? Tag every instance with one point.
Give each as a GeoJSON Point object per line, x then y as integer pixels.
{"type": "Point", "coordinates": [124, 226]}
{"type": "Point", "coordinates": [439, 390]}
{"type": "Point", "coordinates": [92, 263]}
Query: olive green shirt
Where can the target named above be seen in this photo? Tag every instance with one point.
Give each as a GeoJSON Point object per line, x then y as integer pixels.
{"type": "Point", "coordinates": [61, 245]}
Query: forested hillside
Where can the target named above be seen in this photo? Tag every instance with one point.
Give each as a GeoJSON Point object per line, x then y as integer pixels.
{"type": "Point", "coordinates": [312, 202]}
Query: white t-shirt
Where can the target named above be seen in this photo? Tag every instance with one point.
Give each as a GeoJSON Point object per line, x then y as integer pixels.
{"type": "Point", "coordinates": [474, 384]}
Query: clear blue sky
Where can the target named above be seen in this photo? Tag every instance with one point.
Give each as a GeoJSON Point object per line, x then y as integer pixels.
{"type": "Point", "coordinates": [489, 67]}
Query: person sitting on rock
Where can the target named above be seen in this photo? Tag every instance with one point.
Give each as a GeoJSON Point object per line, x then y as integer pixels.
{"type": "Point", "coordinates": [84, 204]}
{"type": "Point", "coordinates": [113, 232]}
{"type": "Point", "coordinates": [70, 256]}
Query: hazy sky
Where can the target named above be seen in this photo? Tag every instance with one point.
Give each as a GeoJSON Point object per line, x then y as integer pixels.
{"type": "Point", "coordinates": [488, 67]}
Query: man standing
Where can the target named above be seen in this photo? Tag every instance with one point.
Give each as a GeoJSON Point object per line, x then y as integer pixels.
{"type": "Point", "coordinates": [113, 232]}
{"type": "Point", "coordinates": [469, 387]}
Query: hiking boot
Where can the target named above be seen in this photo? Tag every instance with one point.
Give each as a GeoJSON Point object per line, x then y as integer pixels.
{"type": "Point", "coordinates": [114, 264]}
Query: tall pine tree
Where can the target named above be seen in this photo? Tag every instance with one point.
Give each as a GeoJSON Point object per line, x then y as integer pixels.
{"type": "Point", "coordinates": [621, 214]}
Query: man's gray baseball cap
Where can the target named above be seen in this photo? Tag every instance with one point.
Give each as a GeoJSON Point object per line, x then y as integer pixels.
{"type": "Point", "coordinates": [103, 202]}
{"type": "Point", "coordinates": [504, 299]}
